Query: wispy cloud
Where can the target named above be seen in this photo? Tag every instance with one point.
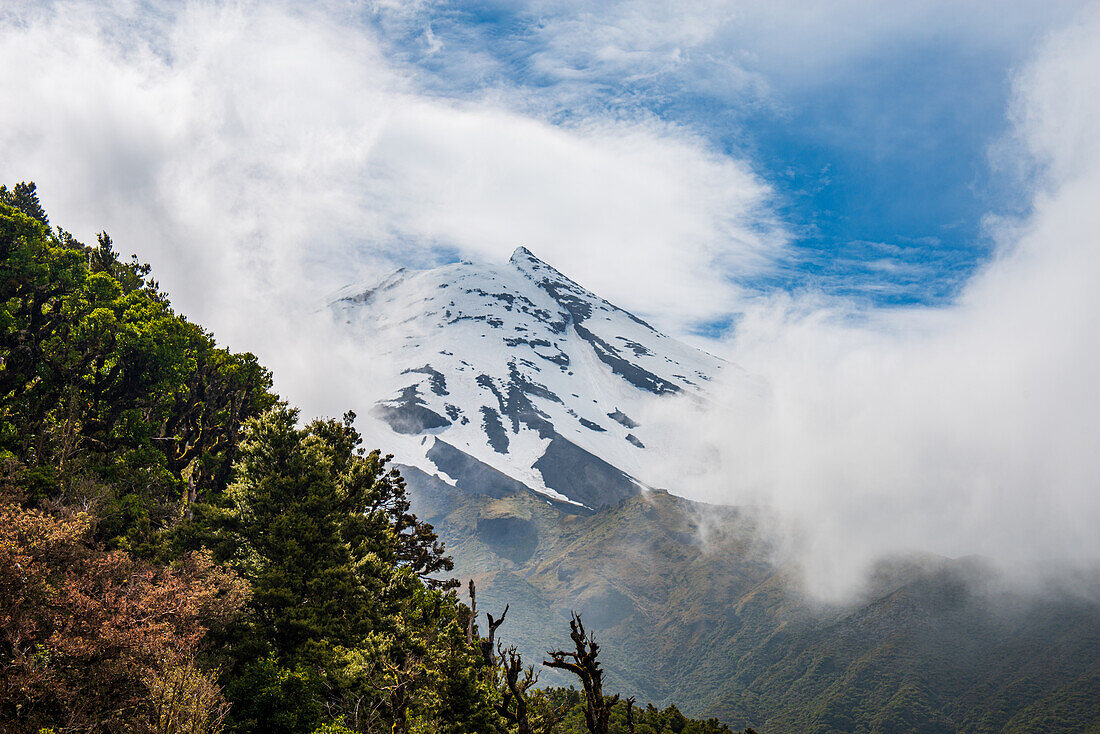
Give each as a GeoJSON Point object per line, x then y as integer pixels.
{"type": "Point", "coordinates": [260, 155]}
{"type": "Point", "coordinates": [965, 429]}
{"type": "Point", "coordinates": [593, 52]}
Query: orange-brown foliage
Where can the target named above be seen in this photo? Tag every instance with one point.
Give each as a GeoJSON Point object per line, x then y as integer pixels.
{"type": "Point", "coordinates": [93, 640]}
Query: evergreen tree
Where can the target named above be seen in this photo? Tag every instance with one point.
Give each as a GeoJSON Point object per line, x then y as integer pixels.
{"type": "Point", "coordinates": [287, 500]}
{"type": "Point", "coordinates": [342, 579]}
{"type": "Point", "coordinates": [24, 197]}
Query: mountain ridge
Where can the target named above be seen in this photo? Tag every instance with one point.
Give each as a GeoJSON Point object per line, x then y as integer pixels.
{"type": "Point", "coordinates": [524, 370]}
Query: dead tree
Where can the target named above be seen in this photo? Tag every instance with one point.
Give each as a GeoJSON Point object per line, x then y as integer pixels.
{"type": "Point", "coordinates": [488, 643]}
{"type": "Point", "coordinates": [629, 715]}
{"type": "Point", "coordinates": [517, 679]}
{"type": "Point", "coordinates": [471, 620]}
{"type": "Point", "coordinates": [513, 705]}
{"type": "Point", "coordinates": [583, 663]}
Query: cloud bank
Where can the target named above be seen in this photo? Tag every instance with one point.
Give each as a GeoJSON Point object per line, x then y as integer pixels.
{"type": "Point", "coordinates": [261, 155]}
{"type": "Point", "coordinates": [971, 429]}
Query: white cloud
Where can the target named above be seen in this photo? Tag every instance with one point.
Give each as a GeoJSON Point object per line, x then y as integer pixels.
{"type": "Point", "coordinates": [259, 156]}
{"type": "Point", "coordinates": [638, 215]}
{"type": "Point", "coordinates": [971, 429]}
{"type": "Point", "coordinates": [586, 54]}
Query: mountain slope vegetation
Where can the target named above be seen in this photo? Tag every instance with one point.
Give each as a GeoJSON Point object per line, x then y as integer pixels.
{"type": "Point", "coordinates": [692, 609]}
{"type": "Point", "coordinates": [178, 553]}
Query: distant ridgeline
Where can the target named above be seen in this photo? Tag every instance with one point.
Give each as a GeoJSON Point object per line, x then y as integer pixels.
{"type": "Point", "coordinates": [179, 554]}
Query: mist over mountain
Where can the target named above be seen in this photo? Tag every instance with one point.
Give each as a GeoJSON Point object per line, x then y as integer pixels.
{"type": "Point", "coordinates": [528, 416]}
{"type": "Point", "coordinates": [790, 392]}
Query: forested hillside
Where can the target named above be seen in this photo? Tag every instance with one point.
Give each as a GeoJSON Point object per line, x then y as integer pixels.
{"type": "Point", "coordinates": [178, 553]}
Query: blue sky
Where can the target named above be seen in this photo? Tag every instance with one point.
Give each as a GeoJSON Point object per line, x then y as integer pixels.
{"type": "Point", "coordinates": [680, 159]}
{"type": "Point", "coordinates": [880, 161]}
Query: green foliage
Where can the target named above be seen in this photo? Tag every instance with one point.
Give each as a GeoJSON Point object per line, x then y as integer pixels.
{"type": "Point", "coordinates": [461, 690]}
{"type": "Point", "coordinates": [333, 727]}
{"type": "Point", "coordinates": [343, 581]}
{"type": "Point", "coordinates": [268, 697]}
{"type": "Point", "coordinates": [647, 720]}
{"type": "Point", "coordinates": [24, 197]}
{"type": "Point", "coordinates": [288, 504]}
{"type": "Point", "coordinates": [102, 384]}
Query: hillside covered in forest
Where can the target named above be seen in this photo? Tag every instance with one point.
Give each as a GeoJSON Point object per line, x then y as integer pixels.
{"type": "Point", "coordinates": [180, 553]}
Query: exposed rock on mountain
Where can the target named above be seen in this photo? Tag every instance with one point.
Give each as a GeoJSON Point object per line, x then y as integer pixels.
{"type": "Point", "coordinates": [523, 370]}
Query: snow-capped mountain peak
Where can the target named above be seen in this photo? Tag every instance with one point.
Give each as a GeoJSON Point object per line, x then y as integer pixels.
{"type": "Point", "coordinates": [518, 370]}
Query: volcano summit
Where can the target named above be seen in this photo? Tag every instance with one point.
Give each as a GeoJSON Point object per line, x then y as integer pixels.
{"type": "Point", "coordinates": [516, 373]}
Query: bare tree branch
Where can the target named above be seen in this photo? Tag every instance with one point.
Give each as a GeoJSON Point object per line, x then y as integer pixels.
{"type": "Point", "coordinates": [583, 663]}
{"type": "Point", "coordinates": [488, 643]}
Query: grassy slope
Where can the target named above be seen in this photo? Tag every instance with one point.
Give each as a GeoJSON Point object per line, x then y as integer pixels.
{"type": "Point", "coordinates": [689, 610]}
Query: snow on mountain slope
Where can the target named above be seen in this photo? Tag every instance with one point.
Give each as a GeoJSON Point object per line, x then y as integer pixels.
{"type": "Point", "coordinates": [519, 368]}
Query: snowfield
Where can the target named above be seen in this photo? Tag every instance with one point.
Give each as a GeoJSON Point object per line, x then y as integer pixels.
{"type": "Point", "coordinates": [520, 368]}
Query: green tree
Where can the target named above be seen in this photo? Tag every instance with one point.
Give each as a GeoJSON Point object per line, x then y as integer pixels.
{"type": "Point", "coordinates": [344, 580]}
{"type": "Point", "coordinates": [102, 385]}
{"type": "Point", "coordinates": [268, 697]}
{"type": "Point", "coordinates": [24, 197]}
